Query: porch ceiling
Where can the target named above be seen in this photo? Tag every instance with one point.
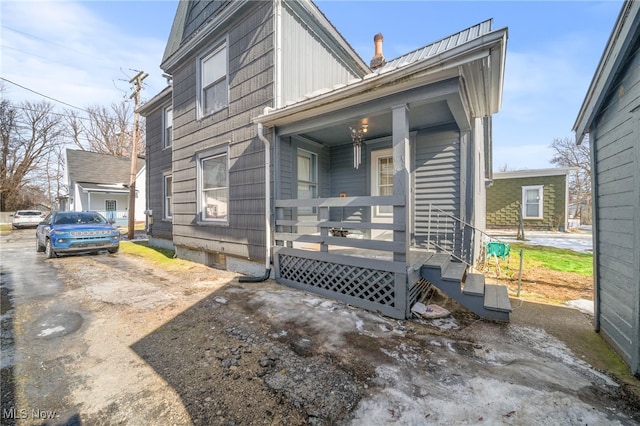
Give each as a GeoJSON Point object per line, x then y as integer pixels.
{"type": "Point", "coordinates": [379, 124]}
{"type": "Point", "coordinates": [432, 105]}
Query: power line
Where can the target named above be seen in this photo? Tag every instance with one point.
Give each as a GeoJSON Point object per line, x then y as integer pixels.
{"type": "Point", "coordinates": [43, 95]}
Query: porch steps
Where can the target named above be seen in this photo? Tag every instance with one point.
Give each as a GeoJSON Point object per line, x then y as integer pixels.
{"type": "Point", "coordinates": [469, 289]}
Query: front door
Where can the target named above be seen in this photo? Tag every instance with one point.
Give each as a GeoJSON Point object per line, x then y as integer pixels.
{"type": "Point", "coordinates": [110, 209]}
{"type": "Point", "coordinates": [382, 184]}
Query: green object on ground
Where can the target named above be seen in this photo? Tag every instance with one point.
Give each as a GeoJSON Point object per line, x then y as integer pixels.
{"type": "Point", "coordinates": [498, 249]}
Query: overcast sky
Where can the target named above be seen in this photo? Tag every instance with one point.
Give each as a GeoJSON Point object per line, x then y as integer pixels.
{"type": "Point", "coordinates": [83, 53]}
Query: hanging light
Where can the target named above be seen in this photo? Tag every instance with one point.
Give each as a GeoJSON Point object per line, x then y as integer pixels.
{"type": "Point", "coordinates": [356, 136]}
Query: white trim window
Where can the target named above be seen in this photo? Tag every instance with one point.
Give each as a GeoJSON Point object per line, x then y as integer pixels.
{"type": "Point", "coordinates": [213, 186]}
{"type": "Point", "coordinates": [382, 179]}
{"type": "Point", "coordinates": [168, 127]}
{"type": "Point", "coordinates": [307, 179]}
{"type": "Point", "coordinates": [168, 196]}
{"type": "Point", "coordinates": [213, 86]}
{"type": "Point", "coordinates": [532, 202]}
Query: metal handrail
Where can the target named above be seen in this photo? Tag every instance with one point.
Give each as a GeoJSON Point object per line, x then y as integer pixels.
{"type": "Point", "coordinates": [454, 230]}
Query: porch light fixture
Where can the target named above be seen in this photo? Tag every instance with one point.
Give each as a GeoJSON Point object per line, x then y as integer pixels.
{"type": "Point", "coordinates": [356, 136]}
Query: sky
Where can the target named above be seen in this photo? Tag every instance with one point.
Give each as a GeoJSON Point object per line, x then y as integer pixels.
{"type": "Point", "coordinates": [83, 53]}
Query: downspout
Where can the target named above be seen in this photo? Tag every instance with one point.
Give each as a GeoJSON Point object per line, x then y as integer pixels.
{"type": "Point", "coordinates": [267, 208]}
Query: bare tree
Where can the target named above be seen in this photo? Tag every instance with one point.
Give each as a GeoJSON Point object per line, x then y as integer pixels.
{"type": "Point", "coordinates": [29, 133]}
{"type": "Point", "coordinates": [106, 130]}
{"type": "Point", "coordinates": [568, 154]}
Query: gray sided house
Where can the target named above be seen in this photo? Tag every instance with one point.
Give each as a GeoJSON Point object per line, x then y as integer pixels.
{"type": "Point", "coordinates": [610, 116]}
{"type": "Point", "coordinates": [292, 156]}
{"type": "Point", "coordinates": [100, 182]}
{"type": "Point", "coordinates": [541, 195]}
{"type": "Point", "coordinates": [159, 182]}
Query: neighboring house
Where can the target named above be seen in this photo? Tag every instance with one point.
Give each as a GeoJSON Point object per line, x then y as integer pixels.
{"type": "Point", "coordinates": [100, 182]}
{"type": "Point", "coordinates": [542, 196]}
{"type": "Point", "coordinates": [283, 139]}
{"type": "Point", "coordinates": [610, 116]}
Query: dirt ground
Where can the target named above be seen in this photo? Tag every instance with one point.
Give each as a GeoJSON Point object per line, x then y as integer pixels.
{"type": "Point", "coordinates": [546, 286]}
{"type": "Point", "coordinates": [191, 345]}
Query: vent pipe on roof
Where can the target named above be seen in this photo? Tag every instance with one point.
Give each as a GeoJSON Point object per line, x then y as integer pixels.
{"type": "Point", "coordinates": [378, 58]}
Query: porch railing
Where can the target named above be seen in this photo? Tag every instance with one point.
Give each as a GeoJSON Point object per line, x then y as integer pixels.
{"type": "Point", "coordinates": [118, 215]}
{"type": "Point", "coordinates": [451, 235]}
{"type": "Point", "coordinates": [303, 259]}
{"type": "Point", "coordinates": [326, 232]}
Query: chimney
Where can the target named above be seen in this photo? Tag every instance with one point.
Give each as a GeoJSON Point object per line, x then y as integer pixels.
{"type": "Point", "coordinates": [378, 59]}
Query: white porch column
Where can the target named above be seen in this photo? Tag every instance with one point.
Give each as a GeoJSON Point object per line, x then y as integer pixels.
{"type": "Point", "coordinates": [401, 182]}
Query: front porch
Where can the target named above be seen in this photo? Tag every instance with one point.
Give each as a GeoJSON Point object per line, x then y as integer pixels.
{"type": "Point", "coordinates": [385, 275]}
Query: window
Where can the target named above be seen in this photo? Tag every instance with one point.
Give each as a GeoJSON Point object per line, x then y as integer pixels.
{"type": "Point", "coordinates": [307, 179]}
{"type": "Point", "coordinates": [532, 203]}
{"type": "Point", "coordinates": [214, 187]}
{"type": "Point", "coordinates": [213, 91]}
{"type": "Point", "coordinates": [168, 127]}
{"type": "Point", "coordinates": [168, 195]}
{"type": "Point", "coordinates": [382, 178]}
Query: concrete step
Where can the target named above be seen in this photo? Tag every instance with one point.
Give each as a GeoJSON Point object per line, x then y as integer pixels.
{"type": "Point", "coordinates": [474, 285]}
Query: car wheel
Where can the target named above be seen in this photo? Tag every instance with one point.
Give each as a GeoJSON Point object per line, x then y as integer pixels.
{"type": "Point", "coordinates": [39, 247]}
{"type": "Point", "coordinates": [113, 250]}
{"type": "Point", "coordinates": [49, 250]}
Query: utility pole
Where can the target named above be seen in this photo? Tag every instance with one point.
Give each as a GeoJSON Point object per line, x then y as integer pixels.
{"type": "Point", "coordinates": [137, 81]}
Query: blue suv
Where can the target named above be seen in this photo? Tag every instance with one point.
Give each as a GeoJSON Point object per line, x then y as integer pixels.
{"type": "Point", "coordinates": [76, 232]}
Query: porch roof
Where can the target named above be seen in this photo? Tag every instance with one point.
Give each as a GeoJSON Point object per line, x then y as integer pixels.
{"type": "Point", "coordinates": [476, 54]}
{"type": "Point", "coordinates": [97, 187]}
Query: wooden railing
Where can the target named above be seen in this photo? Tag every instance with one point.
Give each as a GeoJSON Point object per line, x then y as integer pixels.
{"type": "Point", "coordinates": [327, 232]}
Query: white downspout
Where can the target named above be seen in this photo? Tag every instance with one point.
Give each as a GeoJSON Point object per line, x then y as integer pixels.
{"type": "Point", "coordinates": [267, 205]}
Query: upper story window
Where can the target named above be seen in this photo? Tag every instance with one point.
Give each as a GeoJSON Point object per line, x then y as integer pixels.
{"type": "Point", "coordinates": [214, 185]}
{"type": "Point", "coordinates": [168, 127]}
{"type": "Point", "coordinates": [532, 202]}
{"type": "Point", "coordinates": [213, 91]}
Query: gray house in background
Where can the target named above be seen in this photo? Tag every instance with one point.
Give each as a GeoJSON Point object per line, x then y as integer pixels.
{"type": "Point", "coordinates": [291, 155]}
{"type": "Point", "coordinates": [610, 117]}
{"type": "Point", "coordinates": [100, 182]}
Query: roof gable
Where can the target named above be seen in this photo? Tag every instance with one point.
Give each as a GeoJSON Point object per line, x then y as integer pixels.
{"type": "Point", "coordinates": [477, 53]}
{"type": "Point", "coordinates": [93, 167]}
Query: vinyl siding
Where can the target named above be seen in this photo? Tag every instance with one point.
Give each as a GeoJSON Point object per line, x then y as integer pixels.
{"type": "Point", "coordinates": [353, 182]}
{"type": "Point", "coordinates": [617, 156]}
{"type": "Point", "coordinates": [437, 176]}
{"type": "Point", "coordinates": [307, 62]}
{"type": "Point", "coordinates": [250, 55]}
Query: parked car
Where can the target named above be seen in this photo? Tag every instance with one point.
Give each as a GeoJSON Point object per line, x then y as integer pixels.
{"type": "Point", "coordinates": [76, 232]}
{"type": "Point", "coordinates": [26, 218]}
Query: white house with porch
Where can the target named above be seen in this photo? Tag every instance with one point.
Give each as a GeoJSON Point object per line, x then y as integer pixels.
{"type": "Point", "coordinates": [100, 182]}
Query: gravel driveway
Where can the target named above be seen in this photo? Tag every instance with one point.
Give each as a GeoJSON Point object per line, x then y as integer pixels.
{"type": "Point", "coordinates": [135, 343]}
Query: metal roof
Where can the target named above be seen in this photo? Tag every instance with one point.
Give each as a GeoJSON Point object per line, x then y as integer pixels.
{"type": "Point", "coordinates": [438, 47]}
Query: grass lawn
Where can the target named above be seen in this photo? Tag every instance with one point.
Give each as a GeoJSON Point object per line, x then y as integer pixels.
{"type": "Point", "coordinates": [555, 259]}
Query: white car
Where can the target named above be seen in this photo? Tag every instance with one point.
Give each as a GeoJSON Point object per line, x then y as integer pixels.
{"type": "Point", "coordinates": [27, 219]}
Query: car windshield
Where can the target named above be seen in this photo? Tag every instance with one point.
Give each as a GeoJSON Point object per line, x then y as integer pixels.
{"type": "Point", "coordinates": [28, 213]}
{"type": "Point", "coordinates": [69, 218]}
